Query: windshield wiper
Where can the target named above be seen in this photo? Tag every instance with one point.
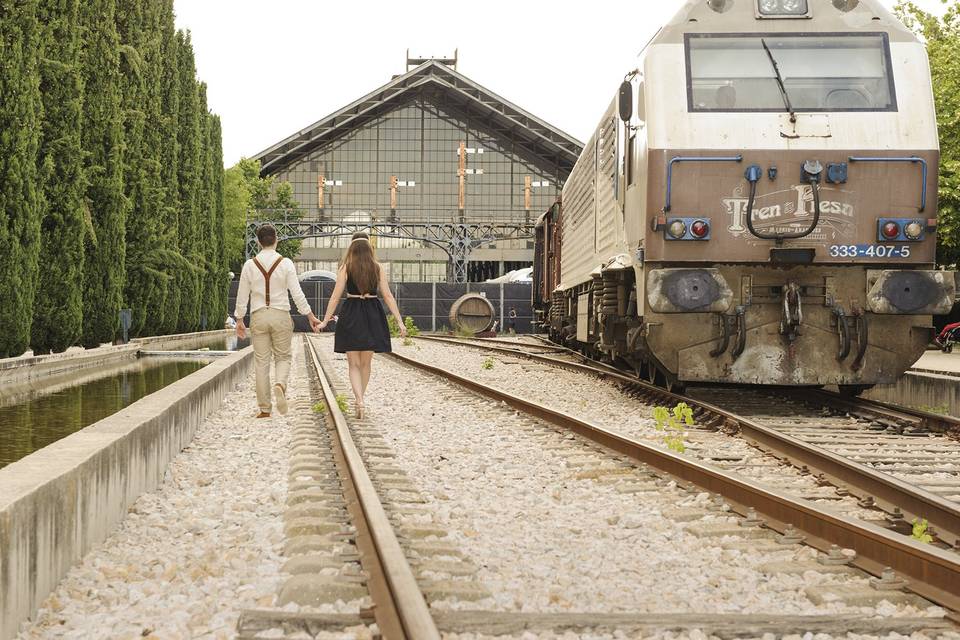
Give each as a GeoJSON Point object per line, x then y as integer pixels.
{"type": "Point", "coordinates": [783, 89]}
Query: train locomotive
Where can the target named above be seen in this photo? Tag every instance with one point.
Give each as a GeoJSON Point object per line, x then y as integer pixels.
{"type": "Point", "coordinates": [757, 205]}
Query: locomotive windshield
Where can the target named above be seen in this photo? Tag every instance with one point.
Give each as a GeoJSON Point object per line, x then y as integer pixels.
{"type": "Point", "coordinates": [821, 72]}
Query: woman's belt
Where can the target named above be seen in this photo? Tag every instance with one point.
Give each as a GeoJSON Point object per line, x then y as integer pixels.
{"type": "Point", "coordinates": [362, 296]}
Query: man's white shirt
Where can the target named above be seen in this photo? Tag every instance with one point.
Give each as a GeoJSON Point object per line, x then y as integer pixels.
{"type": "Point", "coordinates": [284, 279]}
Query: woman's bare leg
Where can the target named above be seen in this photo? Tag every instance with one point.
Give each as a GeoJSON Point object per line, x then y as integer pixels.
{"type": "Point", "coordinates": [366, 361]}
{"type": "Point", "coordinates": [356, 375]}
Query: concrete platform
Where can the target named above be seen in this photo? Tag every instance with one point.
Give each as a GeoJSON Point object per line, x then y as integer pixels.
{"type": "Point", "coordinates": [61, 501]}
{"type": "Point", "coordinates": [932, 384]}
{"type": "Point", "coordinates": [938, 362]}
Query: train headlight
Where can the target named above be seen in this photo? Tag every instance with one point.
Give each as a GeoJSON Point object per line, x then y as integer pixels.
{"type": "Point", "coordinates": [700, 229]}
{"type": "Point", "coordinates": [782, 8]}
{"type": "Point", "coordinates": [913, 230]}
{"type": "Point", "coordinates": [890, 230]}
{"type": "Point", "coordinates": [677, 229]}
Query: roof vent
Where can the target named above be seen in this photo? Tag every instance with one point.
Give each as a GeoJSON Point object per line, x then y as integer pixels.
{"type": "Point", "coordinates": [416, 62]}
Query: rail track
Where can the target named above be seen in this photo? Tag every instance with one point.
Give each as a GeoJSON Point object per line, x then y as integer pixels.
{"type": "Point", "coordinates": [933, 570]}
{"type": "Point", "coordinates": [400, 609]}
{"type": "Point", "coordinates": [400, 596]}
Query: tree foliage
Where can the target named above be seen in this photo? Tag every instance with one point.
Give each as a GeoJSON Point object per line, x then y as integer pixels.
{"type": "Point", "coordinates": [111, 176]}
{"type": "Point", "coordinates": [248, 196]}
{"type": "Point", "coordinates": [942, 38]}
{"type": "Point", "coordinates": [20, 197]}
{"type": "Point", "coordinates": [58, 307]}
{"type": "Point", "coordinates": [102, 140]}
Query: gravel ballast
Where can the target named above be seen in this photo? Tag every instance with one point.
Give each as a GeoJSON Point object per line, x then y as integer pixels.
{"type": "Point", "coordinates": [190, 555]}
{"type": "Point", "coordinates": [550, 535]}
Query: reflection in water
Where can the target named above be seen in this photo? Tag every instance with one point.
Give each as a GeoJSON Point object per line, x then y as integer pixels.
{"type": "Point", "coordinates": [41, 418]}
{"type": "Point", "coordinates": [230, 343]}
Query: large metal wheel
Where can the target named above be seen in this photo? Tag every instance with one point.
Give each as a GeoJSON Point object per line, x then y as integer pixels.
{"type": "Point", "coordinates": [853, 390]}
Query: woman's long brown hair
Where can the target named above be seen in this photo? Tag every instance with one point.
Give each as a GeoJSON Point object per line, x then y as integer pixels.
{"type": "Point", "coordinates": [361, 263]}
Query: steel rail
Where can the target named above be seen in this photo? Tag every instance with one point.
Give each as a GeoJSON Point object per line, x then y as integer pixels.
{"type": "Point", "coordinates": [399, 607]}
{"type": "Point", "coordinates": [887, 492]}
{"type": "Point", "coordinates": [936, 572]}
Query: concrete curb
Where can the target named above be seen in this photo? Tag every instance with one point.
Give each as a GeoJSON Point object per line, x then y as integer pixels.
{"type": "Point", "coordinates": [58, 503]}
{"type": "Point", "coordinates": [927, 390]}
{"type": "Point", "coordinates": [24, 369]}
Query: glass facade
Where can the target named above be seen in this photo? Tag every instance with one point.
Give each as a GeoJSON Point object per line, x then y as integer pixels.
{"type": "Point", "coordinates": [406, 165]}
{"type": "Point", "coordinates": [422, 161]}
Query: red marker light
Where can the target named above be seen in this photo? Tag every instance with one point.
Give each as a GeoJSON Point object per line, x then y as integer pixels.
{"type": "Point", "coordinates": [700, 229]}
{"type": "Point", "coordinates": [890, 230]}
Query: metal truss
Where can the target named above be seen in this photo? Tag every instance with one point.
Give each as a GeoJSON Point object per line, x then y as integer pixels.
{"type": "Point", "coordinates": [535, 136]}
{"type": "Point", "coordinates": [457, 239]}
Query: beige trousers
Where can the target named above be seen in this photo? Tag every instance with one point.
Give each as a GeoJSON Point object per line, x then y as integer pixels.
{"type": "Point", "coordinates": [271, 331]}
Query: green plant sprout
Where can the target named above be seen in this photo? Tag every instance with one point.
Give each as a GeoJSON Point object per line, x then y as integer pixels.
{"type": "Point", "coordinates": [462, 332]}
{"type": "Point", "coordinates": [412, 329]}
{"type": "Point", "coordinates": [319, 407]}
{"type": "Point", "coordinates": [342, 402]}
{"type": "Point", "coordinates": [920, 531]}
{"type": "Point", "coordinates": [408, 341]}
{"type": "Point", "coordinates": [394, 328]}
{"type": "Point", "coordinates": [672, 422]}
{"type": "Point", "coordinates": [487, 364]}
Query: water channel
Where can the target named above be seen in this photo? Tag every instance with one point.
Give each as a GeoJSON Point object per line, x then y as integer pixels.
{"type": "Point", "coordinates": [31, 417]}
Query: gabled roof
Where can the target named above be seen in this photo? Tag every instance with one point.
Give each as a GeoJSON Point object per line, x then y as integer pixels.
{"type": "Point", "coordinates": [528, 132]}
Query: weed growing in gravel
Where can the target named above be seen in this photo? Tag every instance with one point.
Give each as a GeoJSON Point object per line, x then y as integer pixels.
{"type": "Point", "coordinates": [319, 407]}
{"type": "Point", "coordinates": [487, 364]}
{"type": "Point", "coordinates": [920, 531]}
{"type": "Point", "coordinates": [408, 341]}
{"type": "Point", "coordinates": [672, 422]}
{"type": "Point", "coordinates": [460, 332]}
{"type": "Point", "coordinates": [342, 402]}
{"type": "Point", "coordinates": [412, 329]}
{"type": "Point", "coordinates": [938, 409]}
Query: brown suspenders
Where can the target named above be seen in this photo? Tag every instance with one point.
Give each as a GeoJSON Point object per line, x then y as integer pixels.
{"type": "Point", "coordinates": [267, 274]}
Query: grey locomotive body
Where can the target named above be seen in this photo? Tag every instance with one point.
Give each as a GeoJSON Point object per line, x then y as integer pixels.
{"type": "Point", "coordinates": [758, 205]}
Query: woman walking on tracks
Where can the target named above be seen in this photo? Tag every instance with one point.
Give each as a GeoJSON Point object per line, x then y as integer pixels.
{"type": "Point", "coordinates": [362, 326]}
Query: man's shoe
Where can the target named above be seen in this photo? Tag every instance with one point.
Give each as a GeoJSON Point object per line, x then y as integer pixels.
{"type": "Point", "coordinates": [281, 399]}
{"type": "Point", "coordinates": [263, 414]}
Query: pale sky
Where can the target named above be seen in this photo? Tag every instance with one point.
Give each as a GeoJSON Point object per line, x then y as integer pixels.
{"type": "Point", "coordinates": [273, 68]}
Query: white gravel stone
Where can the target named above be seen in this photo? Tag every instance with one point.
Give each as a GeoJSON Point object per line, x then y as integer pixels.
{"type": "Point", "coordinates": [548, 541]}
{"type": "Point", "coordinates": [206, 544]}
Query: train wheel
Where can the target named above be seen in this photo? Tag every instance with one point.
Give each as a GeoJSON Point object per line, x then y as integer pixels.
{"type": "Point", "coordinates": [650, 373]}
{"type": "Point", "coordinates": [655, 376]}
{"type": "Point", "coordinates": [853, 390]}
{"type": "Point", "coordinates": [675, 386]}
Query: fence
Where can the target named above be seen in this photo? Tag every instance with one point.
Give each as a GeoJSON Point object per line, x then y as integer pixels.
{"type": "Point", "coordinates": [428, 303]}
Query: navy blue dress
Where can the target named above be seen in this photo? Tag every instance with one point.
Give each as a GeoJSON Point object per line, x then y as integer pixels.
{"type": "Point", "coordinates": [362, 325]}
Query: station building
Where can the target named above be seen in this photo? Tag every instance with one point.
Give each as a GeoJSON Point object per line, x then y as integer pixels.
{"type": "Point", "coordinates": [429, 146]}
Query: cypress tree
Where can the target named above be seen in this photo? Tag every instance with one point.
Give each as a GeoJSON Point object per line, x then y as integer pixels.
{"type": "Point", "coordinates": [170, 154]}
{"type": "Point", "coordinates": [205, 244]}
{"type": "Point", "coordinates": [102, 138]}
{"type": "Point", "coordinates": [218, 273]}
{"type": "Point", "coordinates": [138, 24]}
{"type": "Point", "coordinates": [58, 308]}
{"type": "Point", "coordinates": [191, 186]}
{"type": "Point", "coordinates": [20, 110]}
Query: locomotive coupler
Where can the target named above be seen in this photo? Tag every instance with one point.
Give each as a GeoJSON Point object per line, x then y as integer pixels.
{"type": "Point", "coordinates": [792, 312]}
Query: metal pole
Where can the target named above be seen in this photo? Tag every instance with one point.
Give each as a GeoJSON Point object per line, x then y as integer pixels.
{"type": "Point", "coordinates": [433, 306]}
{"type": "Point", "coordinates": [501, 306]}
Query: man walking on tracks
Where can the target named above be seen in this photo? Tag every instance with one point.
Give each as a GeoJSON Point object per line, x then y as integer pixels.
{"type": "Point", "coordinates": [266, 280]}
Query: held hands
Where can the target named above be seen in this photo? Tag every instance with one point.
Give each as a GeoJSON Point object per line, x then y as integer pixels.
{"type": "Point", "coordinates": [241, 329]}
{"type": "Point", "coordinates": [315, 324]}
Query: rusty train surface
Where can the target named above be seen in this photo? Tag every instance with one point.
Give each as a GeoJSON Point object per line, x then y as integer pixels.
{"type": "Point", "coordinates": [757, 205]}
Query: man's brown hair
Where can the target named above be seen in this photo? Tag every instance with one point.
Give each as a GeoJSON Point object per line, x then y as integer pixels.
{"type": "Point", "coordinates": [267, 235]}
